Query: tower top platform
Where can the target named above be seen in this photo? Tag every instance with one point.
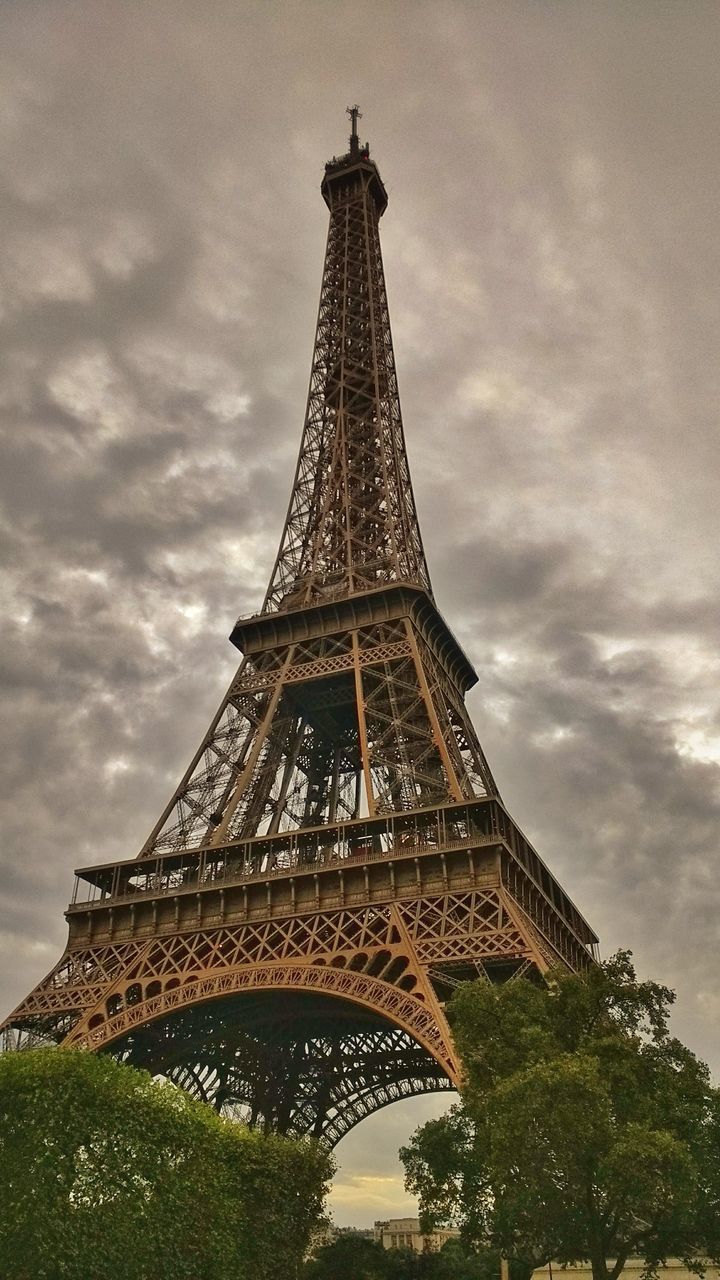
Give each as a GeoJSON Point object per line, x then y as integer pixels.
{"type": "Point", "coordinates": [342, 172]}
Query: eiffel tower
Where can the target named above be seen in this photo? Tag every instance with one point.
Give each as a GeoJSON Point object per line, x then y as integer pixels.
{"type": "Point", "coordinates": [336, 859]}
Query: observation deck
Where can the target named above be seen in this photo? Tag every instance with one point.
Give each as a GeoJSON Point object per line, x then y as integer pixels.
{"type": "Point", "coordinates": [312, 869]}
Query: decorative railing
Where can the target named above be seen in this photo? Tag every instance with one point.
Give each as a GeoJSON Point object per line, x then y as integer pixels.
{"type": "Point", "coordinates": [310, 851]}
{"type": "Point", "coordinates": [290, 852]}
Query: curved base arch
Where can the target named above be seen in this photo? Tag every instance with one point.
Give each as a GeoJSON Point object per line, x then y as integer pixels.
{"type": "Point", "coordinates": [313, 1056]}
{"type": "Point", "coordinates": [137, 1006]}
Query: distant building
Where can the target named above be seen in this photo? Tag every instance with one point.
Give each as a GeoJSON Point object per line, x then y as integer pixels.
{"type": "Point", "coordinates": [405, 1233]}
{"type": "Point", "coordinates": [633, 1269]}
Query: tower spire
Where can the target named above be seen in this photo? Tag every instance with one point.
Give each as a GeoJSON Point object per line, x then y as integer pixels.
{"type": "Point", "coordinates": [352, 522]}
{"type": "Point", "coordinates": [355, 114]}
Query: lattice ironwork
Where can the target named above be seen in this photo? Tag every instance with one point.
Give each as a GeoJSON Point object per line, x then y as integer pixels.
{"type": "Point", "coordinates": [351, 523]}
{"type": "Point", "coordinates": [344, 1062]}
{"type": "Point", "coordinates": [336, 859]}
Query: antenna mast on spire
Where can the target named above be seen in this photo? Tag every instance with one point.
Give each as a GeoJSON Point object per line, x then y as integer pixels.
{"type": "Point", "coordinates": [355, 114]}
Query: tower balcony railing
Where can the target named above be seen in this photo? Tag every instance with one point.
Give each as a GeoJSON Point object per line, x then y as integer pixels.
{"type": "Point", "coordinates": [439, 830]}
{"type": "Point", "coordinates": [296, 851]}
{"type": "Point", "coordinates": [312, 590]}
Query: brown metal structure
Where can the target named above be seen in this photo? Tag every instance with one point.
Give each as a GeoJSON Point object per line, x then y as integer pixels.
{"type": "Point", "coordinates": [336, 858]}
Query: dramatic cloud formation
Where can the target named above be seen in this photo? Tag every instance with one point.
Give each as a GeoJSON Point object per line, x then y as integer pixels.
{"type": "Point", "coordinates": [552, 259]}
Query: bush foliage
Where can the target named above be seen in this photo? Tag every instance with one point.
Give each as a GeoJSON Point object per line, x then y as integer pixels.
{"type": "Point", "coordinates": [107, 1173]}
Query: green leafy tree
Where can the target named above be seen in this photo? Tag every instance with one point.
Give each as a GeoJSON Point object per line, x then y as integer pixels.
{"type": "Point", "coordinates": [353, 1257]}
{"type": "Point", "coordinates": [107, 1173]}
{"type": "Point", "coordinates": [585, 1131]}
{"type": "Point", "coordinates": [457, 1260]}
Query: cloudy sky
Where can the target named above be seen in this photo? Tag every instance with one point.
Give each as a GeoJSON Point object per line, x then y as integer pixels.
{"type": "Point", "coordinates": [552, 259]}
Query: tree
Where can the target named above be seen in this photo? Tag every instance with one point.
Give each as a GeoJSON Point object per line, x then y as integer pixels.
{"type": "Point", "coordinates": [107, 1173]}
{"type": "Point", "coordinates": [353, 1257]}
{"type": "Point", "coordinates": [457, 1260]}
{"type": "Point", "coordinates": [584, 1131]}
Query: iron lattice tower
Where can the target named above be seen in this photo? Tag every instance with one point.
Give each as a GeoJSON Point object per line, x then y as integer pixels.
{"type": "Point", "coordinates": [337, 857]}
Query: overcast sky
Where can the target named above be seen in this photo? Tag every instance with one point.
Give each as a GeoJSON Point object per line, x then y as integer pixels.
{"type": "Point", "coordinates": [551, 250]}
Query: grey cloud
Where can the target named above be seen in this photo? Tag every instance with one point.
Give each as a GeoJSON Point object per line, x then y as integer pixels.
{"type": "Point", "coordinates": [551, 255]}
